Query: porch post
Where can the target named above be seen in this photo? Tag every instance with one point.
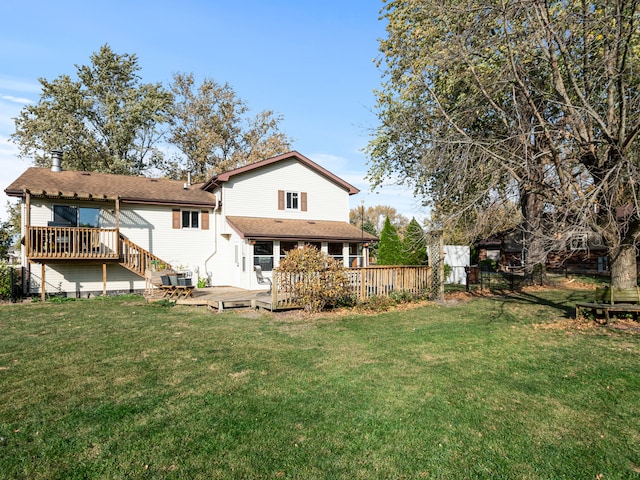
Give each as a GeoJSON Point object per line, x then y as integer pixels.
{"type": "Point", "coordinates": [27, 221]}
{"type": "Point", "coordinates": [27, 213]}
{"type": "Point", "coordinates": [345, 255]}
{"type": "Point", "coordinates": [365, 254]}
{"type": "Point", "coordinates": [117, 227]}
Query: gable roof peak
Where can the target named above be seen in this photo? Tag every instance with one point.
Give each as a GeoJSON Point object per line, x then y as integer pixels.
{"type": "Point", "coordinates": [293, 154]}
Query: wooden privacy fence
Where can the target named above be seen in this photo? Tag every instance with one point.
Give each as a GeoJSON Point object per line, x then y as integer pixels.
{"type": "Point", "coordinates": [364, 283]}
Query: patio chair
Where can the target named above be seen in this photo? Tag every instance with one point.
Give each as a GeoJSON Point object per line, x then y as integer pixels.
{"type": "Point", "coordinates": [262, 280]}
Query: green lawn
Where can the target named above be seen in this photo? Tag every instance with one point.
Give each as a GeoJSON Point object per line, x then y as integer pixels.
{"type": "Point", "coordinates": [502, 387]}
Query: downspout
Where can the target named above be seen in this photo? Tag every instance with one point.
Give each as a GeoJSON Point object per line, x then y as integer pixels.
{"type": "Point", "coordinates": [25, 224]}
{"type": "Point", "coordinates": [215, 240]}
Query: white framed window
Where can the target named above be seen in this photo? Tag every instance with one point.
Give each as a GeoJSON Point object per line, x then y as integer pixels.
{"type": "Point", "coordinates": [336, 251]}
{"type": "Point", "coordinates": [263, 254]}
{"type": "Point", "coordinates": [293, 200]}
{"type": "Point", "coordinates": [287, 246]}
{"type": "Point", "coordinates": [190, 219]}
{"type": "Point", "coordinates": [355, 255]}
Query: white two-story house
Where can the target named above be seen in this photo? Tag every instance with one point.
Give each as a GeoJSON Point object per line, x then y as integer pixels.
{"type": "Point", "coordinates": [87, 232]}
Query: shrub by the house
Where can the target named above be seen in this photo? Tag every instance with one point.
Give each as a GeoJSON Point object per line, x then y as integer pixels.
{"type": "Point", "coordinates": [313, 278]}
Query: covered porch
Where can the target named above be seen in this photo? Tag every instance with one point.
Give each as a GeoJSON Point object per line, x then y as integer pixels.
{"type": "Point", "coordinates": [271, 238]}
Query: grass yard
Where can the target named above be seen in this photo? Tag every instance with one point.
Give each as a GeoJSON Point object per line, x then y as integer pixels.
{"type": "Point", "coordinates": [500, 387]}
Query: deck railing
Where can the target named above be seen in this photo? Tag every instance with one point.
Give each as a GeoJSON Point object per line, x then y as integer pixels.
{"type": "Point", "coordinates": [364, 283]}
{"type": "Point", "coordinates": [137, 259]}
{"type": "Point", "coordinates": [71, 243]}
{"type": "Point", "coordinates": [80, 243]}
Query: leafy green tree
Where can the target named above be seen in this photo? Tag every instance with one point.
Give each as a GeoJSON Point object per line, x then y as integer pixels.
{"type": "Point", "coordinates": [6, 240]}
{"type": "Point", "coordinates": [376, 216]}
{"type": "Point", "coordinates": [414, 244]}
{"type": "Point", "coordinates": [106, 120]}
{"type": "Point", "coordinates": [211, 128]}
{"type": "Point", "coordinates": [529, 102]}
{"type": "Point", "coordinates": [390, 246]}
{"type": "Point", "coordinates": [9, 230]}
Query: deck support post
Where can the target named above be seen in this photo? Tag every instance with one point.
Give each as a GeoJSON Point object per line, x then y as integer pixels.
{"type": "Point", "coordinates": [43, 291]}
{"type": "Point", "coordinates": [104, 279]}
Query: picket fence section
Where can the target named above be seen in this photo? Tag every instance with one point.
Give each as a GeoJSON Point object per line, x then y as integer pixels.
{"type": "Point", "coordinates": [364, 283]}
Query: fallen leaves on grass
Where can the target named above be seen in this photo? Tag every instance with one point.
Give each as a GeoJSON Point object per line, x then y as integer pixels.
{"type": "Point", "coordinates": [584, 324]}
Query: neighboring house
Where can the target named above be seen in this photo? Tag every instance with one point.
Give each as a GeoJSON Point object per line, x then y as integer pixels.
{"type": "Point", "coordinates": [577, 251]}
{"type": "Point", "coordinates": [87, 233]}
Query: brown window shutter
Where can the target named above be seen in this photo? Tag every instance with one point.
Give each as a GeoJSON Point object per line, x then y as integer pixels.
{"type": "Point", "coordinates": [280, 199]}
{"type": "Point", "coordinates": [176, 218]}
{"type": "Point", "coordinates": [204, 219]}
{"type": "Point", "coordinates": [303, 201]}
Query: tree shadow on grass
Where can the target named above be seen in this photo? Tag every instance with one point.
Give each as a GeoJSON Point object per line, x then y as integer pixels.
{"type": "Point", "coordinates": [565, 305]}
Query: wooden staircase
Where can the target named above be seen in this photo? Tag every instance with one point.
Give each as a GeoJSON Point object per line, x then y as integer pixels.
{"type": "Point", "coordinates": [136, 259]}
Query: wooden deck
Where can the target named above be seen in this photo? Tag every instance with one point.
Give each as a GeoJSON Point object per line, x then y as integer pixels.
{"type": "Point", "coordinates": [362, 282]}
{"type": "Point", "coordinates": [221, 298]}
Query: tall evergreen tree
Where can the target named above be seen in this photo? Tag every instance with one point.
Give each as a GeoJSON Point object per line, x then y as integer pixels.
{"type": "Point", "coordinates": [390, 246]}
{"type": "Point", "coordinates": [414, 244]}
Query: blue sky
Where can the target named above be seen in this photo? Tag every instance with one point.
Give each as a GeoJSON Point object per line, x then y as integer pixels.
{"type": "Point", "coordinates": [310, 61]}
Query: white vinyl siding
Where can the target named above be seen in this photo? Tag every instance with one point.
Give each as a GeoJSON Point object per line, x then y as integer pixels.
{"type": "Point", "coordinates": [255, 194]}
{"type": "Point", "coordinates": [148, 226]}
{"type": "Point", "coordinates": [151, 227]}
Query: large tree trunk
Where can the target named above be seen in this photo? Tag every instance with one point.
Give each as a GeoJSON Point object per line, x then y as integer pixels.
{"type": "Point", "coordinates": [535, 254]}
{"type": "Point", "coordinates": [624, 269]}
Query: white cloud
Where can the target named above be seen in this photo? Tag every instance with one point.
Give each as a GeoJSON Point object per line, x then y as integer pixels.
{"type": "Point", "coordinates": [20, 100]}
{"type": "Point", "coordinates": [10, 168]}
{"type": "Point", "coordinates": [332, 163]}
{"type": "Point", "coordinates": [353, 171]}
{"type": "Point", "coordinates": [19, 85]}
{"type": "Point", "coordinates": [14, 96]}
{"type": "Point", "coordinates": [9, 109]}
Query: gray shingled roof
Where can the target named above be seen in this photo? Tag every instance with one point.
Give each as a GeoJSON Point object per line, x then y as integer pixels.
{"type": "Point", "coordinates": [92, 185]}
{"type": "Point", "coordinates": [255, 228]}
